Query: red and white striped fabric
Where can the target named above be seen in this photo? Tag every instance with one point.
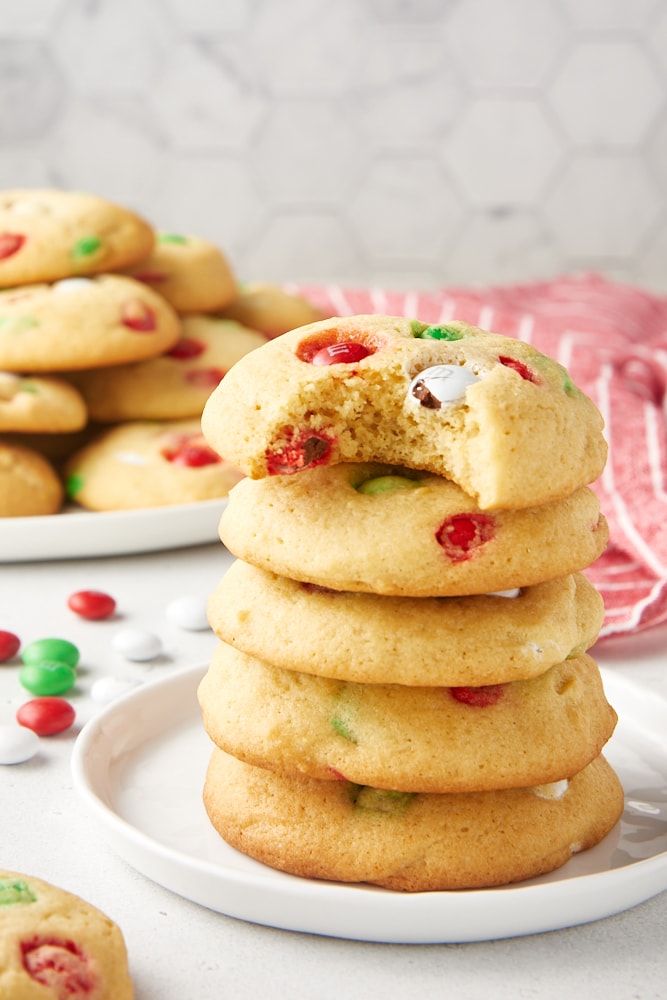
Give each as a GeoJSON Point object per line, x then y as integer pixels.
{"type": "Point", "coordinates": [612, 338]}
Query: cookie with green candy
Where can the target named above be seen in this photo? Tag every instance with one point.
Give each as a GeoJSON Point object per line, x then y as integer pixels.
{"type": "Point", "coordinates": [47, 234]}
{"type": "Point", "coordinates": [493, 414]}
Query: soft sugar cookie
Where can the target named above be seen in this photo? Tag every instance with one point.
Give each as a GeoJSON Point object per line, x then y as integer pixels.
{"type": "Point", "coordinates": [502, 420]}
{"type": "Point", "coordinates": [143, 464]}
{"type": "Point", "coordinates": [55, 945]}
{"type": "Point", "coordinates": [40, 404]}
{"type": "Point", "coordinates": [410, 739]}
{"type": "Point", "coordinates": [192, 274]}
{"type": "Point", "coordinates": [174, 385]}
{"type": "Point", "coordinates": [29, 484]}
{"type": "Point", "coordinates": [271, 309]}
{"type": "Point", "coordinates": [47, 234]}
{"type": "Point", "coordinates": [421, 641]}
{"type": "Point", "coordinates": [412, 842]}
{"type": "Point", "coordinates": [378, 529]}
{"type": "Point", "coordinates": [83, 323]}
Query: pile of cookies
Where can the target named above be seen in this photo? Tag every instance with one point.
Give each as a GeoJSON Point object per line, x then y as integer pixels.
{"type": "Point", "coordinates": [112, 336]}
{"type": "Point", "coordinates": [402, 694]}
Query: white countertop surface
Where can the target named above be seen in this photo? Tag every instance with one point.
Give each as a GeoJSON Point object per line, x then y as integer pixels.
{"type": "Point", "coordinates": [182, 951]}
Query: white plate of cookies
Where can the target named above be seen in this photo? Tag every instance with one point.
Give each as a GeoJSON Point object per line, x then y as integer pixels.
{"type": "Point", "coordinates": [77, 533]}
{"type": "Point", "coordinates": [140, 767]}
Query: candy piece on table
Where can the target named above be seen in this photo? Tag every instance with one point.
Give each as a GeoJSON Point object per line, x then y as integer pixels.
{"type": "Point", "coordinates": [51, 650]}
{"type": "Point", "coordinates": [17, 744]}
{"type": "Point", "coordinates": [46, 716]}
{"type": "Point", "coordinates": [92, 604]}
{"type": "Point", "coordinates": [47, 678]}
{"type": "Point", "coordinates": [137, 644]}
{"type": "Point", "coordinates": [9, 645]}
{"type": "Point", "coordinates": [189, 613]}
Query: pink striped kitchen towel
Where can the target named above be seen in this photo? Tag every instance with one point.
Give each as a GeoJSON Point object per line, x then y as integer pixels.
{"type": "Point", "coordinates": [613, 340]}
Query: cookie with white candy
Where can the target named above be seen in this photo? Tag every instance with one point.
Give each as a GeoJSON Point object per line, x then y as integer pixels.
{"type": "Point", "coordinates": [493, 414]}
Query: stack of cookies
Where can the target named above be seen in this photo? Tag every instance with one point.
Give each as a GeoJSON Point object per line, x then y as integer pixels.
{"type": "Point", "coordinates": [402, 694]}
{"type": "Point", "coordinates": [112, 336]}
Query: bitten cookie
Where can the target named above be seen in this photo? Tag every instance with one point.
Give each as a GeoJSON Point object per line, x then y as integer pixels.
{"type": "Point", "coordinates": [192, 274]}
{"type": "Point", "coordinates": [49, 234]}
{"type": "Point", "coordinates": [56, 946]}
{"type": "Point", "coordinates": [419, 641]}
{"type": "Point", "coordinates": [410, 739]}
{"type": "Point", "coordinates": [271, 309]}
{"type": "Point", "coordinates": [373, 528]}
{"type": "Point", "coordinates": [83, 323]}
{"type": "Point", "coordinates": [175, 385]}
{"type": "Point", "coordinates": [411, 842]}
{"type": "Point", "coordinates": [143, 464]}
{"type": "Point", "coordinates": [40, 404]}
{"type": "Point", "coordinates": [29, 485]}
{"type": "Point", "coordinates": [493, 414]}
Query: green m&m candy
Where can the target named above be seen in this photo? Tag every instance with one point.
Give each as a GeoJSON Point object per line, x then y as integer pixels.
{"type": "Point", "coordinates": [47, 678]}
{"type": "Point", "coordinates": [52, 650]}
{"type": "Point", "coordinates": [386, 484]}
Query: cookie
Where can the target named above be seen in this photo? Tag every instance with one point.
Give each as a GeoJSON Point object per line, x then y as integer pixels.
{"type": "Point", "coordinates": [412, 842]}
{"type": "Point", "coordinates": [175, 385]}
{"type": "Point", "coordinates": [409, 739]}
{"type": "Point", "coordinates": [493, 414]}
{"type": "Point", "coordinates": [83, 323]}
{"type": "Point", "coordinates": [143, 464]}
{"type": "Point", "coordinates": [40, 404]}
{"type": "Point", "coordinates": [49, 234]}
{"type": "Point", "coordinates": [378, 529]}
{"type": "Point", "coordinates": [419, 641]}
{"type": "Point", "coordinates": [192, 274]}
{"type": "Point", "coordinates": [29, 484]}
{"type": "Point", "coordinates": [271, 309]}
{"type": "Point", "coordinates": [55, 945]}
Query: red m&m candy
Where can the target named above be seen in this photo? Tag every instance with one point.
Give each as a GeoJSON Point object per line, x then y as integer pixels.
{"type": "Point", "coordinates": [46, 716]}
{"type": "Point", "coordinates": [92, 604]}
{"type": "Point", "coordinates": [9, 645]}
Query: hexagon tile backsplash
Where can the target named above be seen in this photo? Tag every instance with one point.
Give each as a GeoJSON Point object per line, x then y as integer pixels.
{"type": "Point", "coordinates": [398, 143]}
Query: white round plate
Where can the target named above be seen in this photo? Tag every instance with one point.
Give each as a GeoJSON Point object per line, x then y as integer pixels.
{"type": "Point", "coordinates": [76, 534]}
{"type": "Point", "coordinates": [140, 764]}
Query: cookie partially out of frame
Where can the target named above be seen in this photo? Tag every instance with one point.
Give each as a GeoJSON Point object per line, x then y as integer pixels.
{"type": "Point", "coordinates": [422, 641]}
{"type": "Point", "coordinates": [83, 323]}
{"type": "Point", "coordinates": [378, 529]}
{"type": "Point", "coordinates": [412, 842]}
{"type": "Point", "coordinates": [192, 274]}
{"type": "Point", "coordinates": [55, 945]}
{"type": "Point", "coordinates": [29, 484]}
{"type": "Point", "coordinates": [175, 385]}
{"type": "Point", "coordinates": [502, 420]}
{"type": "Point", "coordinates": [47, 234]}
{"type": "Point", "coordinates": [147, 464]}
{"type": "Point", "coordinates": [426, 739]}
{"type": "Point", "coordinates": [34, 404]}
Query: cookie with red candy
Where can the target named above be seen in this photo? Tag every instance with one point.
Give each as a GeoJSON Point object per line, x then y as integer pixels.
{"type": "Point", "coordinates": [410, 739]}
{"type": "Point", "coordinates": [192, 274]}
{"type": "Point", "coordinates": [55, 945]}
{"type": "Point", "coordinates": [147, 464]}
{"type": "Point", "coordinates": [493, 414]}
{"type": "Point", "coordinates": [387, 530]}
{"type": "Point", "coordinates": [419, 641]}
{"type": "Point", "coordinates": [175, 385]}
{"type": "Point", "coordinates": [413, 842]}
{"type": "Point", "coordinates": [47, 234]}
{"type": "Point", "coordinates": [83, 323]}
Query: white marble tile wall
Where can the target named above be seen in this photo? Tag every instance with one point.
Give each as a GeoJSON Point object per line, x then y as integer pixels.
{"type": "Point", "coordinates": [386, 142]}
